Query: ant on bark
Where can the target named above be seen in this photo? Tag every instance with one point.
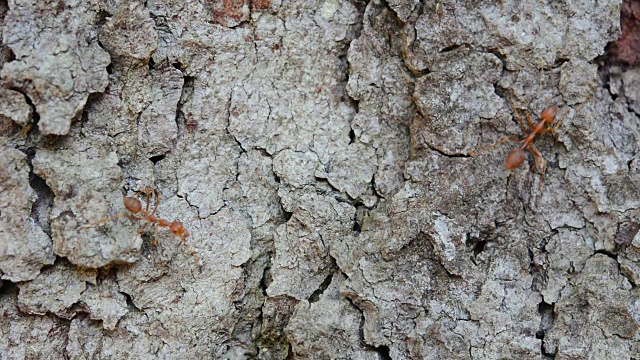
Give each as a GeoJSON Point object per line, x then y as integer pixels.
{"type": "Point", "coordinates": [135, 206]}
{"type": "Point", "coordinates": [516, 156]}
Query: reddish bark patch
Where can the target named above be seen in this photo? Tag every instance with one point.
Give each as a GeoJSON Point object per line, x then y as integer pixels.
{"type": "Point", "coordinates": [627, 48]}
{"type": "Point", "coordinates": [259, 5]}
{"type": "Point", "coordinates": [231, 11]}
{"type": "Point", "coordinates": [226, 10]}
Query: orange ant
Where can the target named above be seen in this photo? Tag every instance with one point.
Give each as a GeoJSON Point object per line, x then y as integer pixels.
{"type": "Point", "coordinates": [191, 124]}
{"type": "Point", "coordinates": [135, 206]}
{"type": "Point", "coordinates": [516, 156]}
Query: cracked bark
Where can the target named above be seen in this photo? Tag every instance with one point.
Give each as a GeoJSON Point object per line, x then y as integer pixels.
{"type": "Point", "coordinates": [318, 153]}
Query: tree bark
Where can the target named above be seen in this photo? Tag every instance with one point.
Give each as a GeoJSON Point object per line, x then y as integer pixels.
{"type": "Point", "coordinates": [323, 158]}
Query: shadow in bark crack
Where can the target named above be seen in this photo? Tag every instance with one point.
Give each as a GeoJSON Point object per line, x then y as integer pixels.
{"type": "Point", "coordinates": [546, 312]}
{"type": "Point", "coordinates": [316, 294]}
{"type": "Point", "coordinates": [41, 207]}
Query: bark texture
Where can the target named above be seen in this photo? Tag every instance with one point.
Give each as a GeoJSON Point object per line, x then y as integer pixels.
{"type": "Point", "coordinates": [321, 155]}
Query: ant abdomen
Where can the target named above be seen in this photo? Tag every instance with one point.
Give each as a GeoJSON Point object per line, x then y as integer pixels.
{"type": "Point", "coordinates": [514, 159]}
{"type": "Point", "coordinates": [132, 204]}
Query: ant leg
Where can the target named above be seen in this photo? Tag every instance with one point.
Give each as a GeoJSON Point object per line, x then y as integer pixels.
{"type": "Point", "coordinates": [515, 111]}
{"type": "Point", "coordinates": [531, 126]}
{"type": "Point", "coordinates": [102, 221]}
{"type": "Point", "coordinates": [140, 230]}
{"type": "Point", "coordinates": [155, 234]}
{"type": "Point", "coordinates": [146, 210]}
{"type": "Point", "coordinates": [158, 197]}
{"type": "Point", "coordinates": [190, 250]}
{"type": "Point", "coordinates": [147, 192]}
{"type": "Point", "coordinates": [473, 153]}
{"type": "Point", "coordinates": [538, 158]}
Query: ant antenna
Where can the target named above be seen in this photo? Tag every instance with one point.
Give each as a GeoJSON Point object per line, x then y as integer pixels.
{"type": "Point", "coordinates": [541, 84]}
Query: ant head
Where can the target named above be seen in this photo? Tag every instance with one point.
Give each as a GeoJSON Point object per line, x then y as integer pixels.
{"type": "Point", "coordinates": [177, 228]}
{"type": "Point", "coordinates": [132, 204]}
{"type": "Point", "coordinates": [548, 114]}
{"type": "Point", "coordinates": [514, 159]}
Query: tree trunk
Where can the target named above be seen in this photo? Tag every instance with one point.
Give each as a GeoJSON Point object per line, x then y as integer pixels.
{"type": "Point", "coordinates": [322, 163]}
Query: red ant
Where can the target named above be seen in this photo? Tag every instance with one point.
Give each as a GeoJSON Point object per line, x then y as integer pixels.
{"type": "Point", "coordinates": [191, 124]}
{"type": "Point", "coordinates": [135, 206]}
{"type": "Point", "coordinates": [516, 156]}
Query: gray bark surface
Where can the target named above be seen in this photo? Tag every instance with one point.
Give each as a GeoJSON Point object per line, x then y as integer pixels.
{"type": "Point", "coordinates": [321, 156]}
